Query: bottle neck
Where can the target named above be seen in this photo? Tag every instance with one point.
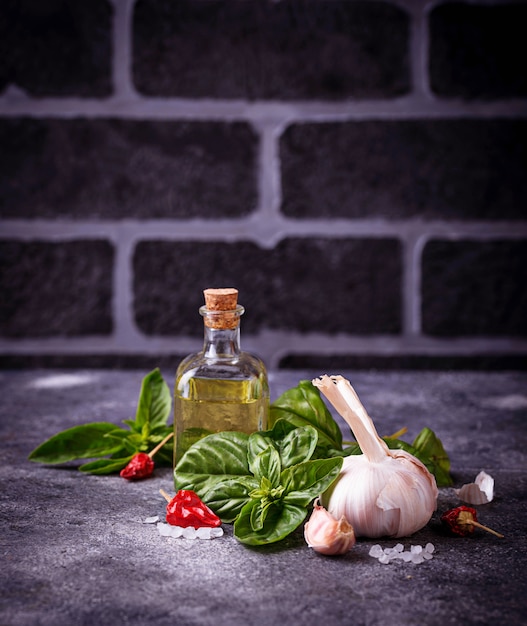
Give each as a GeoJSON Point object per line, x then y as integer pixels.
{"type": "Point", "coordinates": [220, 343]}
{"type": "Point", "coordinates": [222, 333]}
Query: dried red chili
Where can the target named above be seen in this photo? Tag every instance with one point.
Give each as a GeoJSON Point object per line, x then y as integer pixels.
{"type": "Point", "coordinates": [187, 509]}
{"type": "Point", "coordinates": [462, 520]}
{"type": "Point", "coordinates": [140, 466]}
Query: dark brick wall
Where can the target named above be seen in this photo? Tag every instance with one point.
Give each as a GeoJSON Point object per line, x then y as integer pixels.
{"type": "Point", "coordinates": [358, 169]}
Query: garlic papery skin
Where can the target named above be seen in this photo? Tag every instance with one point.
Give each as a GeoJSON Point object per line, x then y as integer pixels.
{"type": "Point", "coordinates": [381, 492]}
{"type": "Point", "coordinates": [327, 535]}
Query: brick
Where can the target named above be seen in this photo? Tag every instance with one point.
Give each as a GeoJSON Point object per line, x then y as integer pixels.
{"type": "Point", "coordinates": [57, 48]}
{"type": "Point", "coordinates": [430, 169]}
{"type": "Point", "coordinates": [117, 169]}
{"type": "Point", "coordinates": [478, 51]}
{"type": "Point", "coordinates": [55, 289]}
{"type": "Point", "coordinates": [288, 50]}
{"type": "Point", "coordinates": [472, 288]}
{"type": "Point", "coordinates": [304, 285]}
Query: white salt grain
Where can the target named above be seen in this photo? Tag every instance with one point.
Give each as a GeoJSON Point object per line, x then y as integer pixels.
{"type": "Point", "coordinates": [151, 520]}
{"type": "Point", "coordinates": [429, 547]}
{"type": "Point", "coordinates": [216, 532]}
{"type": "Point", "coordinates": [163, 529]}
{"type": "Point", "coordinates": [203, 533]}
{"type": "Point", "coordinates": [376, 551]}
{"type": "Point", "coordinates": [189, 533]}
{"type": "Point", "coordinates": [416, 549]}
{"type": "Point", "coordinates": [399, 547]}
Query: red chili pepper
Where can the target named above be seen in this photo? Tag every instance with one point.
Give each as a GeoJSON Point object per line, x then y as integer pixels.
{"type": "Point", "coordinates": [462, 520]}
{"type": "Point", "coordinates": [140, 466]}
{"type": "Point", "coordinates": [187, 509]}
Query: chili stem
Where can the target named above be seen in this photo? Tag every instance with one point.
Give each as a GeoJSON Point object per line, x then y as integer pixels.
{"type": "Point", "coordinates": [165, 495]}
{"type": "Point", "coordinates": [489, 530]}
{"type": "Point", "coordinates": [160, 445]}
{"type": "Point", "coordinates": [398, 433]}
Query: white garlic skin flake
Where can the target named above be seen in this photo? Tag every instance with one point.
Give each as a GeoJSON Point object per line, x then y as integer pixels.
{"type": "Point", "coordinates": [382, 492]}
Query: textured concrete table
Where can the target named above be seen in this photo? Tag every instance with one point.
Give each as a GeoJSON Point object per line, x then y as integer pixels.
{"type": "Point", "coordinates": [75, 550]}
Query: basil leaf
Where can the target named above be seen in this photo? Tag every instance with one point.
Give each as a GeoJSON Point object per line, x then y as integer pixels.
{"type": "Point", "coordinates": [213, 459]}
{"type": "Point", "coordinates": [105, 466]}
{"type": "Point", "coordinates": [228, 497]}
{"type": "Point", "coordinates": [259, 513]}
{"type": "Point", "coordinates": [280, 520]}
{"type": "Point", "coordinates": [266, 464]}
{"type": "Point", "coordinates": [302, 405]}
{"type": "Point", "coordinates": [78, 442]}
{"type": "Point", "coordinates": [307, 480]}
{"type": "Point", "coordinates": [154, 405]}
{"type": "Point", "coordinates": [257, 443]}
{"type": "Point", "coordinates": [430, 450]}
{"type": "Point", "coordinates": [298, 446]}
{"type": "Point", "coordinates": [294, 443]}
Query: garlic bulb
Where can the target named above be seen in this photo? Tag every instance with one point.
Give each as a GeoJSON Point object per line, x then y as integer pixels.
{"type": "Point", "coordinates": [381, 492]}
{"type": "Point", "coordinates": [327, 535]}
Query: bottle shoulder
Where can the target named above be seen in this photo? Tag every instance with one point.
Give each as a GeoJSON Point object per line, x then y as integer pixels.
{"type": "Point", "coordinates": [243, 366]}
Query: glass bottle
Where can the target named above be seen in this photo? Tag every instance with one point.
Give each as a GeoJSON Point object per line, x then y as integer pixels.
{"type": "Point", "coordinates": [220, 388]}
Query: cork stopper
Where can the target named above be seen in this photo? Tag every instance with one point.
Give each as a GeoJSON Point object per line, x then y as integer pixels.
{"type": "Point", "coordinates": [221, 308]}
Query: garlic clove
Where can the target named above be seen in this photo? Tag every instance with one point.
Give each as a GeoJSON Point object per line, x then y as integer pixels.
{"type": "Point", "coordinates": [480, 491]}
{"type": "Point", "coordinates": [327, 535]}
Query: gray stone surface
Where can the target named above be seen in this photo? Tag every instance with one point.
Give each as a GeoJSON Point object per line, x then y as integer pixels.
{"type": "Point", "coordinates": [75, 551]}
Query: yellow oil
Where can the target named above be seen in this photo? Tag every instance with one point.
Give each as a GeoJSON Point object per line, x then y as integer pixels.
{"type": "Point", "coordinates": [211, 405]}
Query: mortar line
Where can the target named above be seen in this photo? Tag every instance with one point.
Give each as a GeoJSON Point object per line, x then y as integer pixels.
{"type": "Point", "coordinates": [122, 47]}
{"type": "Point", "coordinates": [264, 229]}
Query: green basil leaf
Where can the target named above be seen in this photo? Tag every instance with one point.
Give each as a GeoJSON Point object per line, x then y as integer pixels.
{"type": "Point", "coordinates": [211, 460]}
{"type": "Point", "coordinates": [281, 520]}
{"type": "Point", "coordinates": [105, 466]}
{"type": "Point", "coordinates": [311, 478]}
{"type": "Point", "coordinates": [302, 405]}
{"type": "Point", "coordinates": [266, 464]}
{"type": "Point", "coordinates": [79, 442]}
{"type": "Point", "coordinates": [257, 443]}
{"type": "Point", "coordinates": [259, 514]}
{"type": "Point", "coordinates": [431, 452]}
{"type": "Point", "coordinates": [298, 445]}
{"type": "Point", "coordinates": [154, 405]}
{"type": "Point", "coordinates": [228, 497]}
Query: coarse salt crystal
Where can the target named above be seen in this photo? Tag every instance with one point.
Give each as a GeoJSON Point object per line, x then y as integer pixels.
{"type": "Point", "coordinates": [189, 533]}
{"type": "Point", "coordinates": [376, 551]}
{"type": "Point", "coordinates": [429, 547]}
{"type": "Point", "coordinates": [416, 549]}
{"type": "Point", "coordinates": [151, 520]}
{"type": "Point", "coordinates": [203, 533]}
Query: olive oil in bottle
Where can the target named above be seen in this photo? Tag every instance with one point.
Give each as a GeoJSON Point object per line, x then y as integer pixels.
{"type": "Point", "coordinates": [220, 388]}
